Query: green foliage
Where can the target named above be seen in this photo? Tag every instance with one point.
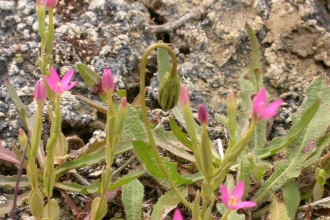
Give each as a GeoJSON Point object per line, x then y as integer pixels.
{"type": "Point", "coordinates": [10, 181]}
{"type": "Point", "coordinates": [132, 198]}
{"type": "Point", "coordinates": [300, 145]}
{"type": "Point", "coordinates": [21, 108]}
{"type": "Point", "coordinates": [291, 196]}
{"type": "Point", "coordinates": [55, 210]}
{"type": "Point", "coordinates": [167, 202]}
{"type": "Point", "coordinates": [277, 210]}
{"type": "Point", "coordinates": [143, 151]}
{"type": "Point", "coordinates": [255, 68]}
{"type": "Point", "coordinates": [94, 187]}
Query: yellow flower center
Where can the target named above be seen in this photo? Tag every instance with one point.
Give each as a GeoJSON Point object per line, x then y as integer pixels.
{"type": "Point", "coordinates": [232, 201]}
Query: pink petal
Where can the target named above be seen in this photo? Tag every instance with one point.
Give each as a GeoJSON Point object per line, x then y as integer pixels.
{"type": "Point", "coordinates": [271, 109]}
{"type": "Point", "coordinates": [57, 89]}
{"type": "Point", "coordinates": [238, 191]}
{"type": "Point", "coordinates": [66, 78]}
{"type": "Point", "coordinates": [225, 197]}
{"type": "Point", "coordinates": [259, 102]}
{"type": "Point", "coordinates": [246, 205]}
{"type": "Point", "coordinates": [184, 97]}
{"type": "Point", "coordinates": [70, 86]}
{"type": "Point", "coordinates": [177, 215]}
{"type": "Point", "coordinates": [54, 78]}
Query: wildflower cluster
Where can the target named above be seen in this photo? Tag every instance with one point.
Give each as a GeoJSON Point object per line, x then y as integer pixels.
{"type": "Point", "coordinates": [128, 128]}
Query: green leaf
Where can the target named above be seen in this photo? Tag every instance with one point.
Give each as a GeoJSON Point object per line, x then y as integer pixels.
{"type": "Point", "coordinates": [132, 198]}
{"type": "Point", "coordinates": [145, 154]}
{"type": "Point", "coordinates": [94, 187]}
{"type": "Point", "coordinates": [178, 114]}
{"type": "Point", "coordinates": [244, 171]}
{"type": "Point", "coordinates": [179, 134]}
{"type": "Point", "coordinates": [97, 105]}
{"type": "Point", "coordinates": [282, 142]}
{"type": "Point", "coordinates": [94, 155]}
{"type": "Point", "coordinates": [255, 61]}
{"type": "Point", "coordinates": [302, 146]}
{"type": "Point", "coordinates": [10, 181]}
{"type": "Point", "coordinates": [258, 139]}
{"type": "Point", "coordinates": [244, 111]}
{"type": "Point", "coordinates": [167, 202]}
{"type": "Point", "coordinates": [163, 61]}
{"type": "Point", "coordinates": [291, 196]}
{"type": "Point", "coordinates": [277, 210]}
{"type": "Point", "coordinates": [21, 108]}
{"type": "Point", "coordinates": [55, 210]}
{"type": "Point", "coordinates": [90, 77]}
{"type": "Point", "coordinates": [133, 130]}
{"type": "Point", "coordinates": [322, 143]}
{"type": "Point", "coordinates": [168, 141]}
{"type": "Point", "coordinates": [126, 179]}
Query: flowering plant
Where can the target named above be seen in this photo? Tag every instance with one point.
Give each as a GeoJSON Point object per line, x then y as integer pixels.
{"type": "Point", "coordinates": [129, 128]}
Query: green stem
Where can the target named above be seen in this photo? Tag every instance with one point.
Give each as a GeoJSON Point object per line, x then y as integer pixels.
{"type": "Point", "coordinates": [145, 116]}
{"type": "Point", "coordinates": [50, 32]}
{"type": "Point", "coordinates": [49, 210]}
{"type": "Point", "coordinates": [224, 217]}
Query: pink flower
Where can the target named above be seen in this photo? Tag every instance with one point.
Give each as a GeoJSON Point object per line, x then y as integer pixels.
{"type": "Point", "coordinates": [177, 215]}
{"type": "Point", "coordinates": [233, 201]}
{"type": "Point", "coordinates": [50, 3]}
{"type": "Point", "coordinates": [108, 84]}
{"type": "Point", "coordinates": [260, 109]}
{"type": "Point", "coordinates": [58, 86]}
{"type": "Point", "coordinates": [202, 114]}
{"type": "Point", "coordinates": [40, 92]}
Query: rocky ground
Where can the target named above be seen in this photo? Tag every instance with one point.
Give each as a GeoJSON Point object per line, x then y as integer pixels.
{"type": "Point", "coordinates": [208, 36]}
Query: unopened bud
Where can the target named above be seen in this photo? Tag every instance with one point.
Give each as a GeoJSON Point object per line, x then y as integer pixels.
{"type": "Point", "coordinates": [51, 3]}
{"type": "Point", "coordinates": [202, 114]}
{"type": "Point", "coordinates": [169, 93]}
{"type": "Point", "coordinates": [108, 84]}
{"type": "Point", "coordinates": [40, 92]}
{"type": "Point", "coordinates": [184, 97]}
{"type": "Point", "coordinates": [123, 104]}
{"type": "Point", "coordinates": [22, 137]}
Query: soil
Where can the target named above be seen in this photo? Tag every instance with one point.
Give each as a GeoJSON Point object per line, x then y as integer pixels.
{"type": "Point", "coordinates": [212, 47]}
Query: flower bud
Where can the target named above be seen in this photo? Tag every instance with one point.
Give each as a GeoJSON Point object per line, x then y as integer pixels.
{"type": "Point", "coordinates": [40, 92]}
{"type": "Point", "coordinates": [184, 97]}
{"type": "Point", "coordinates": [108, 84]}
{"type": "Point", "coordinates": [51, 3]}
{"type": "Point", "coordinates": [202, 114]}
{"type": "Point", "coordinates": [22, 137]}
{"type": "Point", "coordinates": [168, 95]}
